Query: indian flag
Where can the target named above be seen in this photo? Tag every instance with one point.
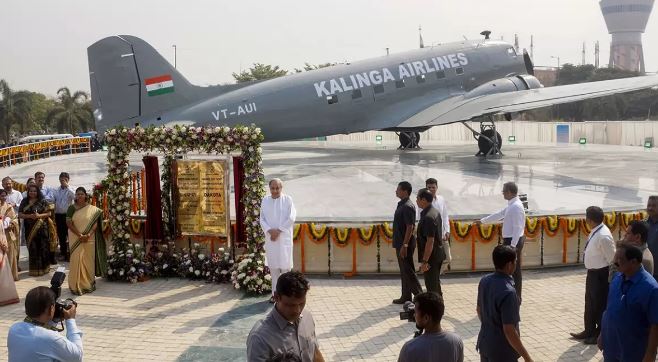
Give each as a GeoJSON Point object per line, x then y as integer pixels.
{"type": "Point", "coordinates": [159, 85]}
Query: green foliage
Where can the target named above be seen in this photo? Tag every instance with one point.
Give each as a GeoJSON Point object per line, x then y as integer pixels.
{"type": "Point", "coordinates": [15, 109]}
{"type": "Point", "coordinates": [24, 111]}
{"type": "Point", "coordinates": [309, 67]}
{"type": "Point", "coordinates": [259, 72]}
{"type": "Point", "coordinates": [72, 113]}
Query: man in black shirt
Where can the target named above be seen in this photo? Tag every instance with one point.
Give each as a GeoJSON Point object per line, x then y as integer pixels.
{"type": "Point", "coordinates": [430, 250]}
{"type": "Point", "coordinates": [405, 243]}
{"type": "Point", "coordinates": [498, 311]}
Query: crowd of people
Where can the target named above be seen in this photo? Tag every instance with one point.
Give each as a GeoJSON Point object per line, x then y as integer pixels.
{"type": "Point", "coordinates": [57, 224]}
{"type": "Point", "coordinates": [621, 292]}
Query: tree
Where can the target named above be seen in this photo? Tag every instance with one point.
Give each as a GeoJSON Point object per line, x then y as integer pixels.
{"type": "Point", "coordinates": [309, 67]}
{"type": "Point", "coordinates": [259, 72]}
{"type": "Point", "coordinates": [71, 110]}
{"type": "Point", "coordinates": [14, 109]}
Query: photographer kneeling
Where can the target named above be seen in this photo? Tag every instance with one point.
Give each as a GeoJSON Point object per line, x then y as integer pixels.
{"type": "Point", "coordinates": [36, 339]}
{"type": "Point", "coordinates": [434, 344]}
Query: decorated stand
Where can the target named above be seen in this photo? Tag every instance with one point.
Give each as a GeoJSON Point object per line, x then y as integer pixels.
{"type": "Point", "coordinates": [128, 261]}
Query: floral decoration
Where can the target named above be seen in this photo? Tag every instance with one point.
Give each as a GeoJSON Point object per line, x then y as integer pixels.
{"type": "Point", "coordinates": [179, 140]}
{"type": "Point", "coordinates": [250, 273]}
{"type": "Point", "coordinates": [128, 265]}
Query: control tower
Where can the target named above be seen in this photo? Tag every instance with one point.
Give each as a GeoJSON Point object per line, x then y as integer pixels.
{"type": "Point", "coordinates": [626, 21]}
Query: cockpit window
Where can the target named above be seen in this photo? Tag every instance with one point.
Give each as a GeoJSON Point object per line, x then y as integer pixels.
{"type": "Point", "coordinates": [511, 52]}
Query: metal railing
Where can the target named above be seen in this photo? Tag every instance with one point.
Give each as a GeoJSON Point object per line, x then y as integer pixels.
{"type": "Point", "coordinates": [13, 155]}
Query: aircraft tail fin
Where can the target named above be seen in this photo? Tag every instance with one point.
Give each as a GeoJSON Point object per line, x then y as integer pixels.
{"type": "Point", "coordinates": [130, 80]}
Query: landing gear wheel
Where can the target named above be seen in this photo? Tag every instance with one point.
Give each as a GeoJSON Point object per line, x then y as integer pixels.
{"type": "Point", "coordinates": [485, 145]}
{"type": "Point", "coordinates": [408, 140]}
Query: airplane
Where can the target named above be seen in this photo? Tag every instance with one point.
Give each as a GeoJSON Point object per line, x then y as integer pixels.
{"type": "Point", "coordinates": [408, 92]}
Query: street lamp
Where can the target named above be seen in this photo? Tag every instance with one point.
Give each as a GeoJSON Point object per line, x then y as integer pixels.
{"type": "Point", "coordinates": [557, 76]}
{"type": "Point", "coordinates": [174, 46]}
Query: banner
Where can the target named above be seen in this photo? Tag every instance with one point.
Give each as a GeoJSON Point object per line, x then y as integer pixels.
{"type": "Point", "coordinates": [202, 197]}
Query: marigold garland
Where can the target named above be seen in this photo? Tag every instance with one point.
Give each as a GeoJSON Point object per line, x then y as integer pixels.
{"type": "Point", "coordinates": [626, 218]}
{"type": "Point", "coordinates": [487, 232]}
{"type": "Point", "coordinates": [532, 227]}
{"type": "Point", "coordinates": [584, 227]}
{"type": "Point", "coordinates": [296, 232]}
{"type": "Point", "coordinates": [367, 234]}
{"type": "Point", "coordinates": [610, 219]}
{"type": "Point", "coordinates": [571, 225]}
{"type": "Point", "coordinates": [461, 230]}
{"type": "Point", "coordinates": [341, 236]}
{"type": "Point", "coordinates": [551, 225]}
{"type": "Point", "coordinates": [317, 234]}
{"type": "Point", "coordinates": [386, 232]}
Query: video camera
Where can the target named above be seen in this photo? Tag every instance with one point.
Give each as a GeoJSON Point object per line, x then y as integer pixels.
{"type": "Point", "coordinates": [60, 305]}
{"type": "Point", "coordinates": [409, 312]}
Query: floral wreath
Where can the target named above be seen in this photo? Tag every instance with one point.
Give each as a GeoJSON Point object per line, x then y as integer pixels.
{"type": "Point", "coordinates": [180, 140]}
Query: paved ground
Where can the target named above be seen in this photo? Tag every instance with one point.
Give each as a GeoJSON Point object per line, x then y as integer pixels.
{"type": "Point", "coordinates": [179, 320]}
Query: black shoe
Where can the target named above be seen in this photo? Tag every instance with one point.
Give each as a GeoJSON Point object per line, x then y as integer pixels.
{"type": "Point", "coordinates": [590, 340]}
{"type": "Point", "coordinates": [581, 335]}
{"type": "Point", "coordinates": [400, 301]}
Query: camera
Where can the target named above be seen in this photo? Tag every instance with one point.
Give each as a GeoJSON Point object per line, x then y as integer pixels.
{"type": "Point", "coordinates": [60, 305]}
{"type": "Point", "coordinates": [409, 312]}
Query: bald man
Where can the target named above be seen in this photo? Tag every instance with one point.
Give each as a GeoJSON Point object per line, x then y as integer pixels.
{"type": "Point", "coordinates": [277, 218]}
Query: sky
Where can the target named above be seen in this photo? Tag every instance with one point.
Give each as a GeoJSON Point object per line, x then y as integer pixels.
{"type": "Point", "coordinates": [43, 45]}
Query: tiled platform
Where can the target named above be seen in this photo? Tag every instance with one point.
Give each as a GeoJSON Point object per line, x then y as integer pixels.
{"type": "Point", "coordinates": [356, 183]}
{"type": "Point", "coordinates": [178, 320]}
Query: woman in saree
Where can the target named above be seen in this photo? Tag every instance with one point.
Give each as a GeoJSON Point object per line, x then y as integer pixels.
{"type": "Point", "coordinates": [86, 244]}
{"type": "Point", "coordinates": [8, 293]}
{"type": "Point", "coordinates": [9, 222]}
{"type": "Point", "coordinates": [35, 214]}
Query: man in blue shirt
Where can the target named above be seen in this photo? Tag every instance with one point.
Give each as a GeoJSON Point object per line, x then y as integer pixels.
{"type": "Point", "coordinates": [35, 339]}
{"type": "Point", "coordinates": [652, 224]}
{"type": "Point", "coordinates": [498, 310]}
{"type": "Point", "coordinates": [629, 330]}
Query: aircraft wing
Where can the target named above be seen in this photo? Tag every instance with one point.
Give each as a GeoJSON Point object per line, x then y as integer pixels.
{"type": "Point", "coordinates": [462, 108]}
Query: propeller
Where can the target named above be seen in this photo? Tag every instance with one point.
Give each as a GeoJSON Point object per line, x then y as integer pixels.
{"type": "Point", "coordinates": [529, 67]}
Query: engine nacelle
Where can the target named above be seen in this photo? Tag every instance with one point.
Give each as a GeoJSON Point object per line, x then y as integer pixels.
{"type": "Point", "coordinates": [504, 85]}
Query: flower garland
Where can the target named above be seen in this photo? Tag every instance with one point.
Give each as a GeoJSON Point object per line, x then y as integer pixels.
{"type": "Point", "coordinates": [317, 234]}
{"type": "Point", "coordinates": [341, 236]}
{"type": "Point", "coordinates": [386, 232]}
{"type": "Point", "coordinates": [532, 227]}
{"type": "Point", "coordinates": [296, 232]}
{"type": "Point", "coordinates": [487, 232]}
{"type": "Point", "coordinates": [610, 219]}
{"type": "Point", "coordinates": [367, 234]}
{"type": "Point", "coordinates": [180, 139]}
{"type": "Point", "coordinates": [460, 230]}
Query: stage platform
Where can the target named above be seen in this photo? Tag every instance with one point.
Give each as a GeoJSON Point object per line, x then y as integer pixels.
{"type": "Point", "coordinates": [355, 183]}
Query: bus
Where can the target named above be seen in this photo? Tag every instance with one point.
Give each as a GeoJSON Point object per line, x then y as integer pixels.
{"type": "Point", "coordinates": [43, 137]}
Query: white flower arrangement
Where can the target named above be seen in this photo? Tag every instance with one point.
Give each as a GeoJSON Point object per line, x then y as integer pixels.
{"type": "Point", "coordinates": [168, 140]}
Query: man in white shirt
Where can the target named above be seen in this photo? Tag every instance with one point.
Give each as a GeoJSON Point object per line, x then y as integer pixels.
{"type": "Point", "coordinates": [35, 338]}
{"type": "Point", "coordinates": [277, 218]}
{"type": "Point", "coordinates": [14, 197]}
{"type": "Point", "coordinates": [513, 217]}
{"type": "Point", "coordinates": [439, 203]}
{"type": "Point", "coordinates": [598, 254]}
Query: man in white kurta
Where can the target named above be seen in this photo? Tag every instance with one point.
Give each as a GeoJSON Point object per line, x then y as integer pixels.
{"type": "Point", "coordinates": [277, 218]}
